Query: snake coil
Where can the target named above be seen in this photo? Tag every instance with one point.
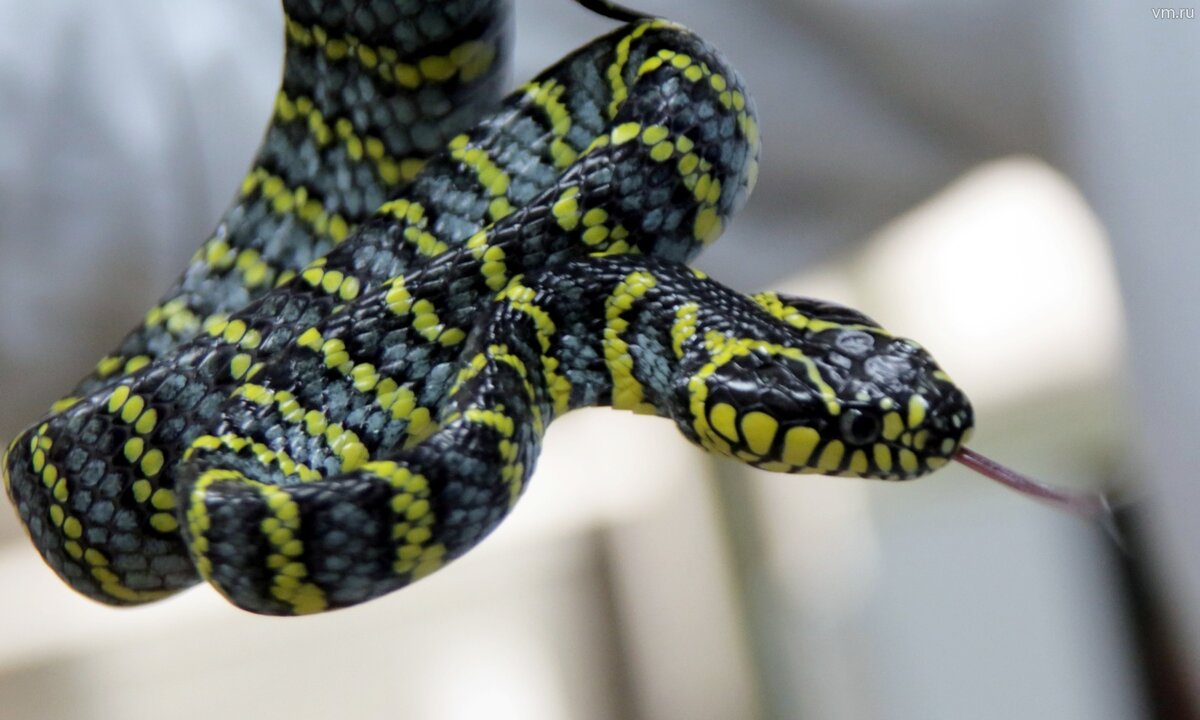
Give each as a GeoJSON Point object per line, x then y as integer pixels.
{"type": "Point", "coordinates": [348, 386]}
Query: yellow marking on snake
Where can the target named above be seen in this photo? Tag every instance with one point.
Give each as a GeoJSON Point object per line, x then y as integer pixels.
{"type": "Point", "coordinates": [491, 260]}
{"type": "Point", "coordinates": [282, 529]}
{"type": "Point", "coordinates": [500, 354]}
{"type": "Point", "coordinates": [491, 176]}
{"type": "Point", "coordinates": [773, 304]}
{"type": "Point", "coordinates": [71, 528]}
{"type": "Point", "coordinates": [546, 96]}
{"type": "Point", "coordinates": [463, 63]}
{"type": "Point", "coordinates": [917, 407]}
{"type": "Point", "coordinates": [520, 298]}
{"type": "Point", "coordinates": [217, 257]}
{"type": "Point", "coordinates": [920, 439]}
{"type": "Point", "coordinates": [391, 170]}
{"type": "Point", "coordinates": [414, 517]}
{"type": "Point", "coordinates": [416, 230]}
{"type": "Point", "coordinates": [566, 209]}
{"type": "Point", "coordinates": [858, 462]}
{"type": "Point", "coordinates": [684, 327]}
{"type": "Point", "coordinates": [130, 409]}
{"type": "Point", "coordinates": [892, 426]}
{"type": "Point", "coordinates": [693, 170]}
{"type": "Point", "coordinates": [616, 70]}
{"type": "Point", "coordinates": [831, 457]}
{"type": "Point", "coordinates": [334, 283]}
{"type": "Point", "coordinates": [198, 520]}
{"type": "Point", "coordinates": [723, 417]}
{"type": "Point", "coordinates": [343, 443]}
{"type": "Point", "coordinates": [296, 202]}
{"type": "Point", "coordinates": [109, 365]}
{"type": "Point", "coordinates": [627, 392]}
{"type": "Point", "coordinates": [799, 443]}
{"type": "Point", "coordinates": [759, 429]}
{"type": "Point", "coordinates": [429, 325]}
{"type": "Point", "coordinates": [259, 451]}
{"type": "Point", "coordinates": [721, 351]}
{"type": "Point", "coordinates": [599, 236]}
{"type": "Point", "coordinates": [512, 472]}
{"type": "Point", "coordinates": [397, 400]}
{"type": "Point", "coordinates": [883, 457]}
{"type": "Point", "coordinates": [174, 315]}
{"type": "Point", "coordinates": [696, 72]}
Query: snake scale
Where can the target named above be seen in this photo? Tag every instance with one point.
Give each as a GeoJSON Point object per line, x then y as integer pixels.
{"type": "Point", "coordinates": [348, 386]}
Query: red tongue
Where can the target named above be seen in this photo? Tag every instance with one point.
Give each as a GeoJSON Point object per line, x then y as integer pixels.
{"type": "Point", "coordinates": [1093, 505]}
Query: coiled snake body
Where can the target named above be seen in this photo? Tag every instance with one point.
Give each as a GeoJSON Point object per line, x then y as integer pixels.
{"type": "Point", "coordinates": [335, 399]}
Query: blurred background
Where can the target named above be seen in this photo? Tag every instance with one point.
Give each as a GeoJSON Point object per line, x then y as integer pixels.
{"type": "Point", "coordinates": [1011, 182]}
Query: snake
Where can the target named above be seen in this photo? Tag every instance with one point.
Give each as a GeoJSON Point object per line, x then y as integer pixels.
{"type": "Point", "coordinates": [348, 386]}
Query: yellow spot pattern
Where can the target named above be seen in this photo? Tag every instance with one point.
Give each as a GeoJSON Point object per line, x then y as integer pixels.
{"type": "Point", "coordinates": [759, 428]}
{"type": "Point", "coordinates": [399, 401]}
{"type": "Point", "coordinates": [463, 63]}
{"type": "Point", "coordinates": [799, 444]}
{"type": "Point", "coordinates": [284, 200]}
{"type": "Point", "coordinates": [412, 532]}
{"type": "Point", "coordinates": [917, 407]}
{"type": "Point", "coordinates": [684, 327]}
{"type": "Point", "coordinates": [520, 298]}
{"type": "Point", "coordinates": [282, 528]}
{"type": "Point", "coordinates": [734, 100]}
{"type": "Point", "coordinates": [199, 522]}
{"type": "Point", "coordinates": [616, 70]}
{"type": "Point", "coordinates": [343, 443]}
{"type": "Point", "coordinates": [259, 451]}
{"type": "Point", "coordinates": [546, 96]}
{"type": "Point", "coordinates": [512, 472]}
{"type": "Point", "coordinates": [490, 258]}
{"type": "Point", "coordinates": [717, 428]}
{"type": "Point", "coordinates": [416, 230]}
{"type": "Point", "coordinates": [491, 176]}
{"type": "Point", "coordinates": [70, 527]}
{"type": "Point", "coordinates": [391, 170]}
{"type": "Point", "coordinates": [334, 283]}
{"type": "Point", "coordinates": [130, 409]}
{"type": "Point", "coordinates": [481, 361]}
{"type": "Point", "coordinates": [694, 171]}
{"type": "Point", "coordinates": [627, 392]}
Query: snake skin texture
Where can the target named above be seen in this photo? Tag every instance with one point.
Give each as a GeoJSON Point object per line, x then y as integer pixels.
{"type": "Point", "coordinates": [349, 386]}
{"type": "Point", "coordinates": [370, 91]}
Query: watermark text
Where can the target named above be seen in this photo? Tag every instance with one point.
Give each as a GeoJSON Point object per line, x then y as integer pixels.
{"type": "Point", "coordinates": [1173, 13]}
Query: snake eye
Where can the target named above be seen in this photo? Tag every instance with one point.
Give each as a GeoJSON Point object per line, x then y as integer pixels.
{"type": "Point", "coordinates": [859, 428]}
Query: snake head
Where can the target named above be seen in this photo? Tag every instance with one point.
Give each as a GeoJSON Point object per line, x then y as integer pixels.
{"type": "Point", "coordinates": [819, 388]}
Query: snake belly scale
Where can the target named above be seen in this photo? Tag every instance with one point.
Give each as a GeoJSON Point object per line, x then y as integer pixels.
{"type": "Point", "coordinates": [349, 385]}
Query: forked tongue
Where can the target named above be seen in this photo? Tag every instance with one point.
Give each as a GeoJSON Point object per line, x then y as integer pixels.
{"type": "Point", "coordinates": [1092, 505]}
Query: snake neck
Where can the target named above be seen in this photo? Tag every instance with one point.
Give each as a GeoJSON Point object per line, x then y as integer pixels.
{"type": "Point", "coordinates": [619, 331]}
